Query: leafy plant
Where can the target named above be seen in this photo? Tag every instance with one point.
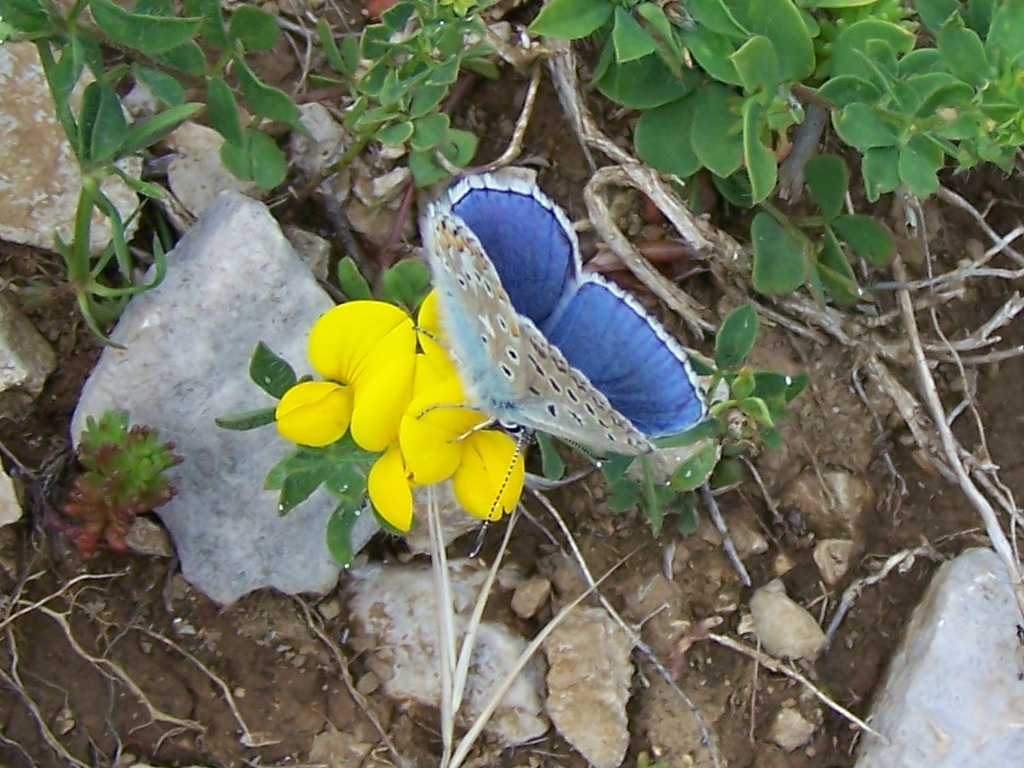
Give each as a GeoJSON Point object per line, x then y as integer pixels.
{"type": "Point", "coordinates": [400, 70]}
{"type": "Point", "coordinates": [720, 83]}
{"type": "Point", "coordinates": [124, 476]}
{"type": "Point", "coordinates": [162, 46]}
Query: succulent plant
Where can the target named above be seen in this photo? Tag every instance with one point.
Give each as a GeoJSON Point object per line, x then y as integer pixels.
{"type": "Point", "coordinates": [123, 475]}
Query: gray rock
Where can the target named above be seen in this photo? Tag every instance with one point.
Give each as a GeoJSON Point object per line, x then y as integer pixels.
{"type": "Point", "coordinates": [10, 507]}
{"type": "Point", "coordinates": [26, 358]}
{"type": "Point", "coordinates": [784, 627]}
{"type": "Point", "coordinates": [589, 674]}
{"type": "Point", "coordinates": [313, 249]}
{"type": "Point", "coordinates": [790, 730]}
{"type": "Point", "coordinates": [832, 556]}
{"type": "Point", "coordinates": [147, 537]}
{"type": "Point", "coordinates": [196, 175]}
{"type": "Point", "coordinates": [231, 282]}
{"type": "Point", "coordinates": [39, 174]}
{"type": "Point", "coordinates": [395, 608]}
{"type": "Point", "coordinates": [831, 503]}
{"type": "Point", "coordinates": [530, 595]}
{"type": "Point", "coordinates": [954, 694]}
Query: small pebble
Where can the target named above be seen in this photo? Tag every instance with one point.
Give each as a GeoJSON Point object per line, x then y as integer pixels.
{"type": "Point", "coordinates": [785, 628]}
{"type": "Point", "coordinates": [530, 596]}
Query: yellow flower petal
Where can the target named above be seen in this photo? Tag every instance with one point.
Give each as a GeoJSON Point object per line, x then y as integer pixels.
{"type": "Point", "coordinates": [431, 431]}
{"type": "Point", "coordinates": [390, 491]}
{"type": "Point", "coordinates": [380, 402]}
{"type": "Point", "coordinates": [314, 413]}
{"type": "Point", "coordinates": [351, 341]}
{"type": "Point", "coordinates": [489, 480]}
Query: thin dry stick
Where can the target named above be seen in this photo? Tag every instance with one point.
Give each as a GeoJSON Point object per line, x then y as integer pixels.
{"type": "Point", "coordinates": [902, 560]}
{"type": "Point", "coordinates": [727, 543]}
{"type": "Point", "coordinates": [467, 741]}
{"type": "Point", "coordinates": [13, 681]}
{"type": "Point", "coordinates": [115, 671]}
{"type": "Point", "coordinates": [515, 144]}
{"type": "Point", "coordinates": [29, 607]}
{"type": "Point", "coordinates": [445, 624]}
{"type": "Point", "coordinates": [707, 737]}
{"type": "Point", "coordinates": [779, 667]}
{"type": "Point", "coordinates": [247, 739]}
{"type": "Point", "coordinates": [950, 446]}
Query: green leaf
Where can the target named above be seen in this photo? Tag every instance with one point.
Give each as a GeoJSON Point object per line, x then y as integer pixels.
{"type": "Point", "coordinates": [919, 62]}
{"type": "Point", "coordinates": [780, 263]}
{"type": "Point", "coordinates": [572, 19]}
{"type": "Point", "coordinates": [265, 100]}
{"type": "Point", "coordinates": [405, 283]}
{"type": "Point", "coordinates": [693, 472]}
{"type": "Point", "coordinates": [339, 62]}
{"type": "Point", "coordinates": [662, 141]}
{"type": "Point", "coordinates": [879, 170]}
{"type": "Point", "coordinates": [757, 65]}
{"type": "Point", "coordinates": [269, 165]}
{"type": "Point", "coordinates": [270, 372]}
{"type": "Point", "coordinates": [712, 52]}
{"type": "Point", "coordinates": [716, 136]}
{"type": "Point", "coordinates": [835, 273]}
{"type": "Point", "coordinates": [426, 98]}
{"type": "Point", "coordinates": [458, 147]}
{"type": "Point", "coordinates": [297, 487]}
{"type": "Point", "coordinates": [848, 51]}
{"type": "Point", "coordinates": [551, 464]}
{"type": "Point", "coordinates": [736, 337]}
{"type": "Point", "coordinates": [339, 533]}
{"type": "Point", "coordinates": [769, 385]}
{"type": "Point", "coordinates": [687, 520]}
{"type": "Point", "coordinates": [742, 385]}
{"type": "Point", "coordinates": [395, 134]}
{"type": "Point", "coordinates": [644, 83]}
{"type": "Point", "coordinates": [212, 28]}
{"type": "Point", "coordinates": [241, 422]}
{"type": "Point", "coordinates": [351, 280]}
{"type": "Point", "coordinates": [160, 84]}
{"type": "Point", "coordinates": [146, 133]}
{"type": "Point", "coordinates": [918, 164]}
{"type": "Point", "coordinates": [707, 429]}
{"type": "Point", "coordinates": [101, 122]}
{"type": "Point", "coordinates": [254, 28]}
{"type": "Point", "coordinates": [26, 16]}
{"type": "Point", "coordinates": [755, 408]}
{"type": "Point", "coordinates": [614, 467]}
{"type": "Point", "coordinates": [425, 169]}
{"type": "Point", "coordinates": [1006, 33]}
{"type": "Point", "coordinates": [151, 34]}
{"type": "Point", "coordinates": [867, 237]}
{"type": "Point", "coordinates": [780, 22]}
{"type": "Point", "coordinates": [847, 89]}
{"type": "Point", "coordinates": [759, 159]}
{"type": "Point", "coordinates": [827, 180]}
{"type": "Point", "coordinates": [236, 158]}
{"type": "Point", "coordinates": [623, 495]}
{"type": "Point", "coordinates": [222, 110]}
{"type": "Point", "coordinates": [934, 13]}
{"type": "Point", "coordinates": [187, 58]}
{"type": "Point", "coordinates": [629, 39]}
{"type": "Point", "coordinates": [429, 131]}
{"type": "Point", "coordinates": [861, 127]}
{"type": "Point", "coordinates": [963, 51]}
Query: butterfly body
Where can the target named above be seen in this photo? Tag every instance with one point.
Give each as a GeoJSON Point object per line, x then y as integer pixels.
{"type": "Point", "coordinates": [537, 341]}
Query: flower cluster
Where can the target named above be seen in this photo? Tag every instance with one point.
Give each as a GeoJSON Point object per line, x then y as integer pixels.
{"type": "Point", "coordinates": [392, 384]}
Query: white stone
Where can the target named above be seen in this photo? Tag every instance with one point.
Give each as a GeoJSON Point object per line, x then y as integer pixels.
{"type": "Point", "coordinates": [10, 507]}
{"type": "Point", "coordinates": [530, 595]}
{"type": "Point", "coordinates": [784, 627]}
{"type": "Point", "coordinates": [147, 537]}
{"type": "Point", "coordinates": [831, 503]}
{"type": "Point", "coordinates": [832, 556]}
{"type": "Point", "coordinates": [589, 676]}
{"type": "Point", "coordinates": [231, 282]}
{"type": "Point", "coordinates": [26, 358]}
{"type": "Point", "coordinates": [790, 730]}
{"type": "Point", "coordinates": [396, 609]}
{"type": "Point", "coordinates": [954, 695]}
{"type": "Point", "coordinates": [39, 174]}
{"type": "Point", "coordinates": [314, 156]}
{"type": "Point", "coordinates": [196, 175]}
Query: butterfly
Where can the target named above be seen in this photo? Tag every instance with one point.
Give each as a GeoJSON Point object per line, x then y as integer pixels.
{"type": "Point", "coordinates": [537, 341]}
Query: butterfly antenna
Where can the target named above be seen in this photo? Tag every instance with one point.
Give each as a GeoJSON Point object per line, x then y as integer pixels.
{"type": "Point", "coordinates": [520, 442]}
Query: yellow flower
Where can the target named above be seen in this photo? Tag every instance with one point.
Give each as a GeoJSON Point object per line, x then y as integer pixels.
{"type": "Point", "coordinates": [314, 413]}
{"type": "Point", "coordinates": [438, 440]}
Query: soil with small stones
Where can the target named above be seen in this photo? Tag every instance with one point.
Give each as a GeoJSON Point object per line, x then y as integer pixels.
{"type": "Point", "coordinates": [122, 660]}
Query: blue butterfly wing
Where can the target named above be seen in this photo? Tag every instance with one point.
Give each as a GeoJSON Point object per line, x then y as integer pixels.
{"type": "Point", "coordinates": [645, 374]}
{"type": "Point", "coordinates": [532, 247]}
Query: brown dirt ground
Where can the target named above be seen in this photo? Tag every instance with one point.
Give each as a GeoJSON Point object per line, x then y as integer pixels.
{"type": "Point", "coordinates": [138, 618]}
